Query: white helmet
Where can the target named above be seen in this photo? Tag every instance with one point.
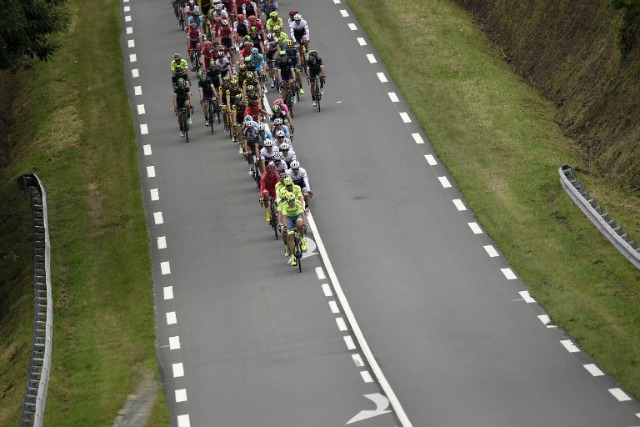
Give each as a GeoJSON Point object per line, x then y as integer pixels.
{"type": "Point", "coordinates": [277, 121]}
{"type": "Point", "coordinates": [295, 164]}
{"type": "Point", "coordinates": [297, 17]}
{"type": "Point", "coordinates": [248, 119]}
{"type": "Point", "coordinates": [284, 146]}
{"type": "Point", "coordinates": [268, 143]}
{"type": "Point", "coordinates": [277, 156]}
{"type": "Point", "coordinates": [280, 133]}
{"type": "Point", "coordinates": [261, 126]}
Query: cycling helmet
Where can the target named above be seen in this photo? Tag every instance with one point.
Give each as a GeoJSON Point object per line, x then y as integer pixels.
{"type": "Point", "coordinates": [252, 18]}
{"type": "Point", "coordinates": [271, 166]}
{"type": "Point", "coordinates": [297, 17]}
{"type": "Point", "coordinates": [277, 121]}
{"type": "Point", "coordinates": [284, 53]}
{"type": "Point", "coordinates": [254, 51]}
{"type": "Point", "coordinates": [246, 39]}
{"type": "Point", "coordinates": [313, 53]}
{"type": "Point", "coordinates": [261, 127]}
{"type": "Point", "coordinates": [277, 156]}
{"type": "Point", "coordinates": [276, 108]}
{"type": "Point", "coordinates": [293, 13]}
{"type": "Point", "coordinates": [276, 28]}
{"type": "Point", "coordinates": [177, 57]}
{"type": "Point", "coordinates": [295, 164]}
{"type": "Point", "coordinates": [247, 1]}
{"type": "Point", "coordinates": [277, 101]}
{"type": "Point", "coordinates": [247, 58]}
{"type": "Point", "coordinates": [207, 43]}
{"type": "Point", "coordinates": [196, 11]}
{"type": "Point", "coordinates": [282, 176]}
{"type": "Point", "coordinates": [248, 119]}
{"type": "Point", "coordinates": [274, 15]}
{"type": "Point", "coordinates": [268, 143]}
{"type": "Point", "coordinates": [217, 6]}
{"type": "Point", "coordinates": [290, 197]}
{"type": "Point", "coordinates": [181, 82]}
{"type": "Point", "coordinates": [242, 67]}
{"type": "Point", "coordinates": [226, 79]}
{"type": "Point", "coordinates": [288, 181]}
{"type": "Point", "coordinates": [240, 17]}
{"type": "Point", "coordinates": [270, 37]}
{"type": "Point", "coordinates": [250, 87]}
{"type": "Point", "coordinates": [220, 54]}
{"type": "Point", "coordinates": [284, 146]}
{"type": "Point", "coordinates": [280, 133]}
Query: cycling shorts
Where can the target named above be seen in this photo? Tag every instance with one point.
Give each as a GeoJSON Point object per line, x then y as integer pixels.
{"type": "Point", "coordinates": [300, 183]}
{"type": "Point", "coordinates": [272, 192]}
{"type": "Point", "coordinates": [180, 102]}
{"type": "Point", "coordinates": [292, 221]}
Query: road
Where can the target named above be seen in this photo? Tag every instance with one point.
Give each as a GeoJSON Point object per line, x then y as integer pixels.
{"type": "Point", "coordinates": [446, 333]}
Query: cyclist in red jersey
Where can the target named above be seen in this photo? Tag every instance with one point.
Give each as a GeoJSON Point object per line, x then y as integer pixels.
{"type": "Point", "coordinates": [254, 110]}
{"type": "Point", "coordinates": [208, 54]}
{"type": "Point", "coordinates": [268, 188]}
{"type": "Point", "coordinates": [193, 37]}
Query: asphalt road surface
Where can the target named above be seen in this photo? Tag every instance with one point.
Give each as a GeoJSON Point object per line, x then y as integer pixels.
{"type": "Point", "coordinates": [406, 315]}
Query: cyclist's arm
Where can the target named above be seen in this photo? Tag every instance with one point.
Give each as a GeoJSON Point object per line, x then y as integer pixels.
{"type": "Point", "coordinates": [175, 100]}
{"type": "Point", "coordinates": [306, 181]}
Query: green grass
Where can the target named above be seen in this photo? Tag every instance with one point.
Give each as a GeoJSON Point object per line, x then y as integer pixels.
{"type": "Point", "coordinates": [74, 129]}
{"type": "Point", "coordinates": [499, 139]}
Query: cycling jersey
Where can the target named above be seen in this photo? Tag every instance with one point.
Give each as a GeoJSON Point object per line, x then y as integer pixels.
{"type": "Point", "coordinates": [205, 5]}
{"type": "Point", "coordinates": [272, 23]}
{"type": "Point", "coordinates": [197, 21]}
{"type": "Point", "coordinates": [230, 6]}
{"type": "Point", "coordinates": [268, 182]}
{"type": "Point", "coordinates": [257, 60]}
{"type": "Point", "coordinates": [267, 155]}
{"type": "Point", "coordinates": [314, 69]}
{"type": "Point", "coordinates": [281, 38]}
{"type": "Point", "coordinates": [241, 28]}
{"type": "Point", "coordinates": [250, 9]}
{"type": "Point", "coordinates": [289, 157]}
{"type": "Point", "coordinates": [291, 210]}
{"type": "Point", "coordinates": [205, 85]}
{"type": "Point", "coordinates": [273, 7]}
{"type": "Point", "coordinates": [299, 177]}
{"type": "Point", "coordinates": [224, 66]}
{"type": "Point", "coordinates": [254, 112]}
{"type": "Point", "coordinates": [299, 30]}
{"type": "Point", "coordinates": [281, 166]}
{"type": "Point", "coordinates": [292, 54]}
{"type": "Point", "coordinates": [182, 95]}
{"type": "Point", "coordinates": [214, 74]}
{"type": "Point", "coordinates": [182, 63]}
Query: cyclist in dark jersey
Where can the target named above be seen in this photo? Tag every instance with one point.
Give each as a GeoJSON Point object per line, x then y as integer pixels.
{"type": "Point", "coordinates": [182, 99]}
{"type": "Point", "coordinates": [315, 70]}
{"type": "Point", "coordinates": [207, 94]}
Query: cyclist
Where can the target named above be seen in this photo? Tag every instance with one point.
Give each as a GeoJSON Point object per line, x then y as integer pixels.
{"type": "Point", "coordinates": [294, 55]}
{"type": "Point", "coordinates": [224, 64]}
{"type": "Point", "coordinates": [207, 54]}
{"type": "Point", "coordinates": [267, 189]}
{"type": "Point", "coordinates": [256, 38]}
{"type": "Point", "coordinates": [249, 141]}
{"type": "Point", "coordinates": [225, 33]}
{"type": "Point", "coordinates": [231, 8]}
{"type": "Point", "coordinates": [205, 6]}
{"type": "Point", "coordinates": [257, 60]}
{"type": "Point", "coordinates": [178, 62]}
{"type": "Point", "coordinates": [249, 8]}
{"type": "Point", "coordinates": [195, 18]}
{"type": "Point", "coordinates": [215, 75]}
{"type": "Point", "coordinates": [182, 99]}
{"type": "Point", "coordinates": [218, 12]}
{"type": "Point", "coordinates": [315, 70]}
{"type": "Point", "coordinates": [241, 28]}
{"type": "Point", "coordinates": [239, 106]}
{"type": "Point", "coordinates": [254, 110]}
{"type": "Point", "coordinates": [285, 74]}
{"type": "Point", "coordinates": [176, 9]}
{"type": "Point", "coordinates": [293, 218]}
{"type": "Point", "coordinates": [268, 6]}
{"type": "Point", "coordinates": [193, 45]}
{"type": "Point", "coordinates": [282, 111]}
{"type": "Point", "coordinates": [271, 48]}
{"type": "Point", "coordinates": [267, 152]}
{"type": "Point", "coordinates": [207, 94]}
{"type": "Point", "coordinates": [263, 133]}
{"type": "Point", "coordinates": [300, 177]}
{"type": "Point", "coordinates": [281, 165]}
{"type": "Point", "coordinates": [280, 36]}
{"type": "Point", "coordinates": [299, 30]}
{"type": "Point", "coordinates": [255, 22]}
{"type": "Point", "coordinates": [224, 95]}
{"type": "Point", "coordinates": [273, 20]}
{"type": "Point", "coordinates": [288, 155]}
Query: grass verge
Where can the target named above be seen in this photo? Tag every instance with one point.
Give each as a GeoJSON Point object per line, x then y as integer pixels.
{"type": "Point", "coordinates": [73, 127]}
{"type": "Point", "coordinates": [498, 138]}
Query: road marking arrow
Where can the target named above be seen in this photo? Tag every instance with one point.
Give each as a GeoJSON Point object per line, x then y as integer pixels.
{"type": "Point", "coordinates": [382, 403]}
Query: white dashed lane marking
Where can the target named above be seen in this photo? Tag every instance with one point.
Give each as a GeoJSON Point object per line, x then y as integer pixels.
{"type": "Point", "coordinates": [140, 108]}
{"type": "Point", "coordinates": [167, 292]}
{"type": "Point", "coordinates": [127, 18]}
{"type": "Point", "coordinates": [171, 318]}
{"type": "Point", "coordinates": [475, 228]}
{"type": "Point", "coordinates": [344, 13]}
{"type": "Point", "coordinates": [137, 90]}
{"type": "Point", "coordinates": [181, 395]}
{"type": "Point", "coordinates": [394, 98]}
{"type": "Point", "coordinates": [382, 77]}
{"type": "Point", "coordinates": [341, 324]}
{"type": "Point", "coordinates": [362, 41]}
{"type": "Point", "coordinates": [405, 117]}
{"type": "Point", "coordinates": [336, 1]}
{"type": "Point", "coordinates": [131, 43]}
{"type": "Point", "coordinates": [135, 73]}
{"type": "Point", "coordinates": [162, 242]}
{"type": "Point", "coordinates": [144, 129]}
{"type": "Point", "coordinates": [320, 273]}
{"type": "Point", "coordinates": [334, 307]}
{"type": "Point", "coordinates": [593, 370]}
{"type": "Point", "coordinates": [157, 217]}
{"type": "Point", "coordinates": [526, 297]}
{"type": "Point", "coordinates": [357, 360]}
{"type": "Point", "coordinates": [352, 26]}
{"type": "Point", "coordinates": [174, 343]}
{"type": "Point", "coordinates": [418, 139]}
{"type": "Point", "coordinates": [366, 376]}
{"type": "Point", "coordinates": [570, 346]}
{"type": "Point", "coordinates": [619, 394]}
{"type": "Point", "coordinates": [133, 57]}
{"type": "Point", "coordinates": [508, 273]}
{"type": "Point", "coordinates": [326, 289]}
{"type": "Point", "coordinates": [349, 342]}
{"type": "Point", "coordinates": [371, 58]}
{"type": "Point", "coordinates": [430, 159]}
{"type": "Point", "coordinates": [127, 8]}
{"type": "Point", "coordinates": [183, 421]}
{"type": "Point", "coordinates": [165, 268]}
{"type": "Point", "coordinates": [154, 194]}
{"type": "Point", "coordinates": [491, 251]}
{"type": "Point", "coordinates": [178, 370]}
{"type": "Point", "coordinates": [147, 149]}
{"type": "Point", "coordinates": [444, 181]}
{"type": "Point", "coordinates": [129, 30]}
{"type": "Point", "coordinates": [459, 205]}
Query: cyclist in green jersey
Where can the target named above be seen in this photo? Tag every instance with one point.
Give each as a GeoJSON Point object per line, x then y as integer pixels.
{"type": "Point", "coordinates": [294, 218]}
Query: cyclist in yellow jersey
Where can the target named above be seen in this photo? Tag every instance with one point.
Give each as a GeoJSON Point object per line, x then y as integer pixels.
{"type": "Point", "coordinates": [294, 218]}
{"type": "Point", "coordinates": [178, 62]}
{"type": "Point", "coordinates": [273, 20]}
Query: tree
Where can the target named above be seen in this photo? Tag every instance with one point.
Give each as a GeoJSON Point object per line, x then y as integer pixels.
{"type": "Point", "coordinates": [25, 30]}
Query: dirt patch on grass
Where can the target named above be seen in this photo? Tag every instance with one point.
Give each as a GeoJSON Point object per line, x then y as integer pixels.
{"type": "Point", "coordinates": [137, 409]}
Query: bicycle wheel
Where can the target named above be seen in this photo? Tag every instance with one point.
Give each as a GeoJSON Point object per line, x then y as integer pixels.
{"type": "Point", "coordinates": [274, 222]}
{"type": "Point", "coordinates": [318, 98]}
{"type": "Point", "coordinates": [298, 252]}
{"type": "Point", "coordinates": [211, 116]}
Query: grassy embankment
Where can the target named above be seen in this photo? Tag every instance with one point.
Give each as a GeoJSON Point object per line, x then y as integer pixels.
{"type": "Point", "coordinates": [72, 126]}
{"type": "Point", "coordinates": [498, 138]}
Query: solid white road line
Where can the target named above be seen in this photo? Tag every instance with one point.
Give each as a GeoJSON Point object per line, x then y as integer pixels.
{"type": "Point", "coordinates": [570, 346]}
{"type": "Point", "coordinates": [147, 149]}
{"type": "Point", "coordinates": [168, 292]}
{"type": "Point", "coordinates": [174, 343]}
{"type": "Point", "coordinates": [178, 370]}
{"type": "Point", "coordinates": [357, 332]}
{"type": "Point", "coordinates": [526, 297]}
{"type": "Point", "coordinates": [475, 228]}
{"type": "Point", "coordinates": [593, 370]}
{"type": "Point", "coordinates": [157, 217]}
{"type": "Point", "coordinates": [459, 205]}
{"type": "Point", "coordinates": [382, 77]}
{"type": "Point", "coordinates": [619, 394]}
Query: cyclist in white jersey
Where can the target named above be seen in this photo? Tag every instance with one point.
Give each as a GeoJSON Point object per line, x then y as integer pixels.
{"type": "Point", "coordinates": [288, 155]}
{"type": "Point", "coordinates": [300, 177]}
{"type": "Point", "coordinates": [281, 165]}
{"type": "Point", "coordinates": [299, 30]}
{"type": "Point", "coordinates": [267, 152]}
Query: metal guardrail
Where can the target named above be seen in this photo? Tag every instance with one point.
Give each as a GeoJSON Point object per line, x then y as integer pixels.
{"type": "Point", "coordinates": [620, 239]}
{"type": "Point", "coordinates": [40, 364]}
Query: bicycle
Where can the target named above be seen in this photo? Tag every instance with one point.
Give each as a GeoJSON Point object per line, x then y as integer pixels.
{"type": "Point", "coordinates": [212, 110]}
{"type": "Point", "coordinates": [273, 219]}
{"type": "Point", "coordinates": [297, 249]}
{"type": "Point", "coordinates": [194, 55]}
{"type": "Point", "coordinates": [288, 99]}
{"type": "Point", "coordinates": [183, 116]}
{"type": "Point", "coordinates": [317, 90]}
{"type": "Point", "coordinates": [181, 17]}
